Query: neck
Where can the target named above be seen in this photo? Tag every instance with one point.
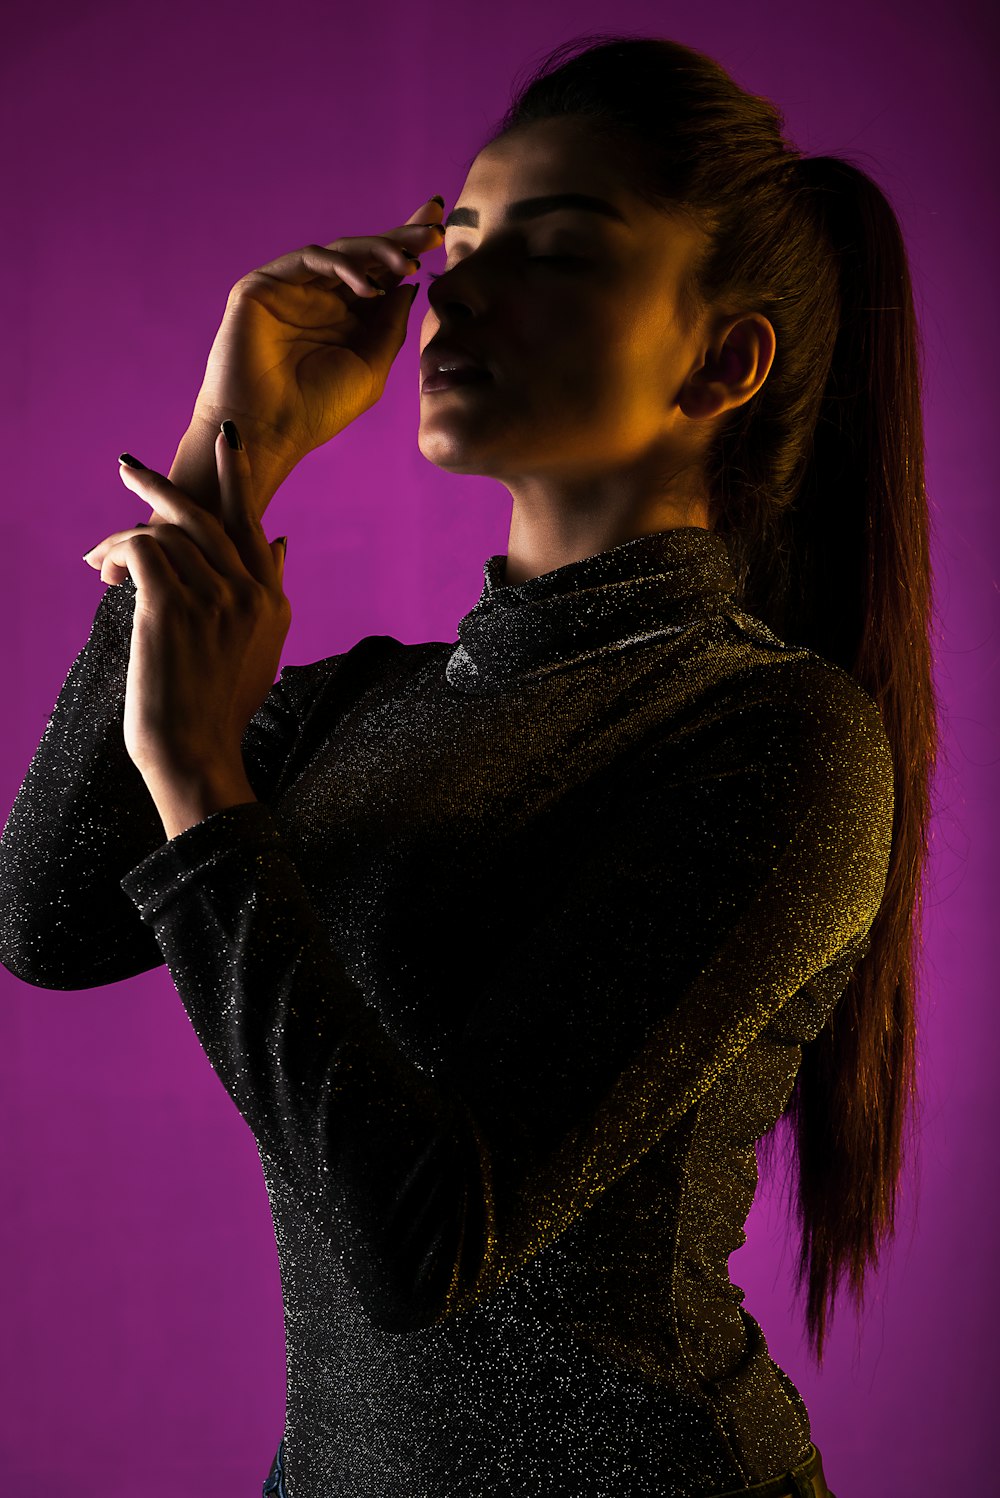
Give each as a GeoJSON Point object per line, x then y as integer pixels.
{"type": "Point", "coordinates": [542, 539]}
{"type": "Point", "coordinates": [644, 590]}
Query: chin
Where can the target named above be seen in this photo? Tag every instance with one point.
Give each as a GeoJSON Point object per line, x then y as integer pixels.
{"type": "Point", "coordinates": [451, 455]}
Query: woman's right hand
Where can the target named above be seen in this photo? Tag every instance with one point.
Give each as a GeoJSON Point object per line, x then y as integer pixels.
{"type": "Point", "coordinates": [306, 343]}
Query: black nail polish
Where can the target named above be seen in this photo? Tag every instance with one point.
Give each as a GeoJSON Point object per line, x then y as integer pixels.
{"type": "Point", "coordinates": [415, 261]}
{"type": "Point", "coordinates": [437, 198]}
{"type": "Point", "coordinates": [378, 288]}
{"type": "Point", "coordinates": [129, 461]}
{"type": "Point", "coordinates": [231, 434]}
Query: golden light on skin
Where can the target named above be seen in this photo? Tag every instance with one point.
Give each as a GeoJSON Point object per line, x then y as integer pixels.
{"type": "Point", "coordinates": [598, 414]}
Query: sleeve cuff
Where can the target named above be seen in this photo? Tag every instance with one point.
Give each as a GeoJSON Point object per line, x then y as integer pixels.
{"type": "Point", "coordinates": [244, 831]}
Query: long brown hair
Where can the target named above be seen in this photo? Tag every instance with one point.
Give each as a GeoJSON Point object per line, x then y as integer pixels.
{"type": "Point", "coordinates": [817, 484]}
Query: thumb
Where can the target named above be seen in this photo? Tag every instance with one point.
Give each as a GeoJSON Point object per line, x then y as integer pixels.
{"type": "Point", "coordinates": [385, 329]}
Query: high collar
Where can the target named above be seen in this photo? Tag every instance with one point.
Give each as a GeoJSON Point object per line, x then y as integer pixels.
{"type": "Point", "coordinates": [654, 585]}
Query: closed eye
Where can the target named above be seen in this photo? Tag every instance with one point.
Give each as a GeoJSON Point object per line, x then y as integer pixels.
{"type": "Point", "coordinates": [436, 275]}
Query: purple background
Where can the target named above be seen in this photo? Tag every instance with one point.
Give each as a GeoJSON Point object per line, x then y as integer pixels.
{"type": "Point", "coordinates": [151, 156]}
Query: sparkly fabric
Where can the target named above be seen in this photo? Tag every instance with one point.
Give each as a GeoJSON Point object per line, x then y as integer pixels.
{"type": "Point", "coordinates": [506, 970]}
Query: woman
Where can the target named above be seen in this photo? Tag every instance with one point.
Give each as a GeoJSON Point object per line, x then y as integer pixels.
{"type": "Point", "coordinates": [510, 950]}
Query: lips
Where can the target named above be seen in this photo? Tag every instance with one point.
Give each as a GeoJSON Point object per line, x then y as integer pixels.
{"type": "Point", "coordinates": [446, 379]}
{"type": "Point", "coordinates": [442, 352]}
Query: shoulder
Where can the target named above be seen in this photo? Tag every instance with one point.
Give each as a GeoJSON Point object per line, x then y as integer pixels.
{"type": "Point", "coordinates": [742, 702]}
{"type": "Point", "coordinates": [763, 673]}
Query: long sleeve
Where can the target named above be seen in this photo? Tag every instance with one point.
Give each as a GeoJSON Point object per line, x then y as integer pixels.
{"type": "Point", "coordinates": [83, 817]}
{"type": "Point", "coordinates": [684, 897]}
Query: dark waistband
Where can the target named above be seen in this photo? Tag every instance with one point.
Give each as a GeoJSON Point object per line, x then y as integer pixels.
{"type": "Point", "coordinates": [807, 1480]}
{"type": "Point", "coordinates": [804, 1481]}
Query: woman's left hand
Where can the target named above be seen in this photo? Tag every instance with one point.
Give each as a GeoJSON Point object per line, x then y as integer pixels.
{"type": "Point", "coordinates": [210, 621]}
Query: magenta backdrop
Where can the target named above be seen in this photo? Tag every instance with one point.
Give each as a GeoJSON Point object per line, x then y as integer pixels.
{"type": "Point", "coordinates": [151, 156]}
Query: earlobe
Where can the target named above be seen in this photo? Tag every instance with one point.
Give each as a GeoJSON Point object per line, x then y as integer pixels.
{"type": "Point", "coordinates": [703, 396]}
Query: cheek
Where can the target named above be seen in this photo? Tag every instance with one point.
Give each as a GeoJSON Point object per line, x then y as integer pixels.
{"type": "Point", "coordinates": [568, 334]}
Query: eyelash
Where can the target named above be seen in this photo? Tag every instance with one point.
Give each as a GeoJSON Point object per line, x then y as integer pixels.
{"type": "Point", "coordinates": [436, 275]}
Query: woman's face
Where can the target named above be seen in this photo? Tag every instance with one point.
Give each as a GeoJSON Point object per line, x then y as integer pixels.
{"type": "Point", "coordinates": [590, 365]}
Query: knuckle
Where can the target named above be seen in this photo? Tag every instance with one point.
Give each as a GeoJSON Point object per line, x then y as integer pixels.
{"type": "Point", "coordinates": [246, 285]}
{"type": "Point", "coordinates": [216, 597]}
{"type": "Point", "coordinates": [166, 528]}
{"type": "Point", "coordinates": [246, 595]}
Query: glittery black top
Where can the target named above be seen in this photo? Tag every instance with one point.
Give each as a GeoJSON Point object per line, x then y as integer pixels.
{"type": "Point", "coordinates": [506, 969]}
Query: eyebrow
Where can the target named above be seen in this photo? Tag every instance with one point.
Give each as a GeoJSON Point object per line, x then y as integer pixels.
{"type": "Point", "coordinates": [534, 207]}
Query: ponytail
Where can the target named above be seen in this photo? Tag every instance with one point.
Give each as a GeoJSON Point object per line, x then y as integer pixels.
{"type": "Point", "coordinates": [817, 485]}
{"type": "Point", "coordinates": [860, 595]}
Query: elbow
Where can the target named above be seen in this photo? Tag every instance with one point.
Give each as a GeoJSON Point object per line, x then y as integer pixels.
{"type": "Point", "coordinates": [24, 950]}
{"type": "Point", "coordinates": [35, 954]}
{"type": "Point", "coordinates": [24, 959]}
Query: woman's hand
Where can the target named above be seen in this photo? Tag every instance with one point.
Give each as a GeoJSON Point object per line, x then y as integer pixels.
{"type": "Point", "coordinates": [210, 621]}
{"type": "Point", "coordinates": [307, 342]}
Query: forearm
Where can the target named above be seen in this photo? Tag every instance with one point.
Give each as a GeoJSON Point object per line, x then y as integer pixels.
{"type": "Point", "coordinates": [82, 817]}
{"type": "Point", "coordinates": [385, 1162]}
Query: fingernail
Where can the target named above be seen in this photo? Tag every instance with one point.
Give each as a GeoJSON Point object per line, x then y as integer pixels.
{"type": "Point", "coordinates": [129, 461]}
{"type": "Point", "coordinates": [437, 198]}
{"type": "Point", "coordinates": [231, 435]}
{"type": "Point", "coordinates": [143, 523]}
{"type": "Point", "coordinates": [378, 288]}
{"type": "Point", "coordinates": [284, 542]}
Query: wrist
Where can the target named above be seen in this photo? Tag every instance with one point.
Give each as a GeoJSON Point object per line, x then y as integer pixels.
{"type": "Point", "coordinates": [195, 470]}
{"type": "Point", "coordinates": [185, 795]}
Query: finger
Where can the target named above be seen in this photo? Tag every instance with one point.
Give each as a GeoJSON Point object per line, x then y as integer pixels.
{"type": "Point", "coordinates": [430, 212]}
{"type": "Point", "coordinates": [278, 550]}
{"type": "Point", "coordinates": [181, 555]}
{"type": "Point", "coordinates": [95, 556]}
{"type": "Point", "coordinates": [383, 332]}
{"type": "Point", "coordinates": [421, 238]}
{"type": "Point", "coordinates": [239, 513]}
{"type": "Point", "coordinates": [341, 262]}
{"type": "Point", "coordinates": [428, 216]}
{"type": "Point", "coordinates": [352, 261]}
{"type": "Point", "coordinates": [422, 232]}
{"type": "Point", "coordinates": [179, 509]}
{"type": "Point", "coordinates": [365, 262]}
{"type": "Point", "coordinates": [146, 562]}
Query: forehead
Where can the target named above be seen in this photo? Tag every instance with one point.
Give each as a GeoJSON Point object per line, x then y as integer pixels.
{"type": "Point", "coordinates": [563, 154]}
{"type": "Point", "coordinates": [568, 154]}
